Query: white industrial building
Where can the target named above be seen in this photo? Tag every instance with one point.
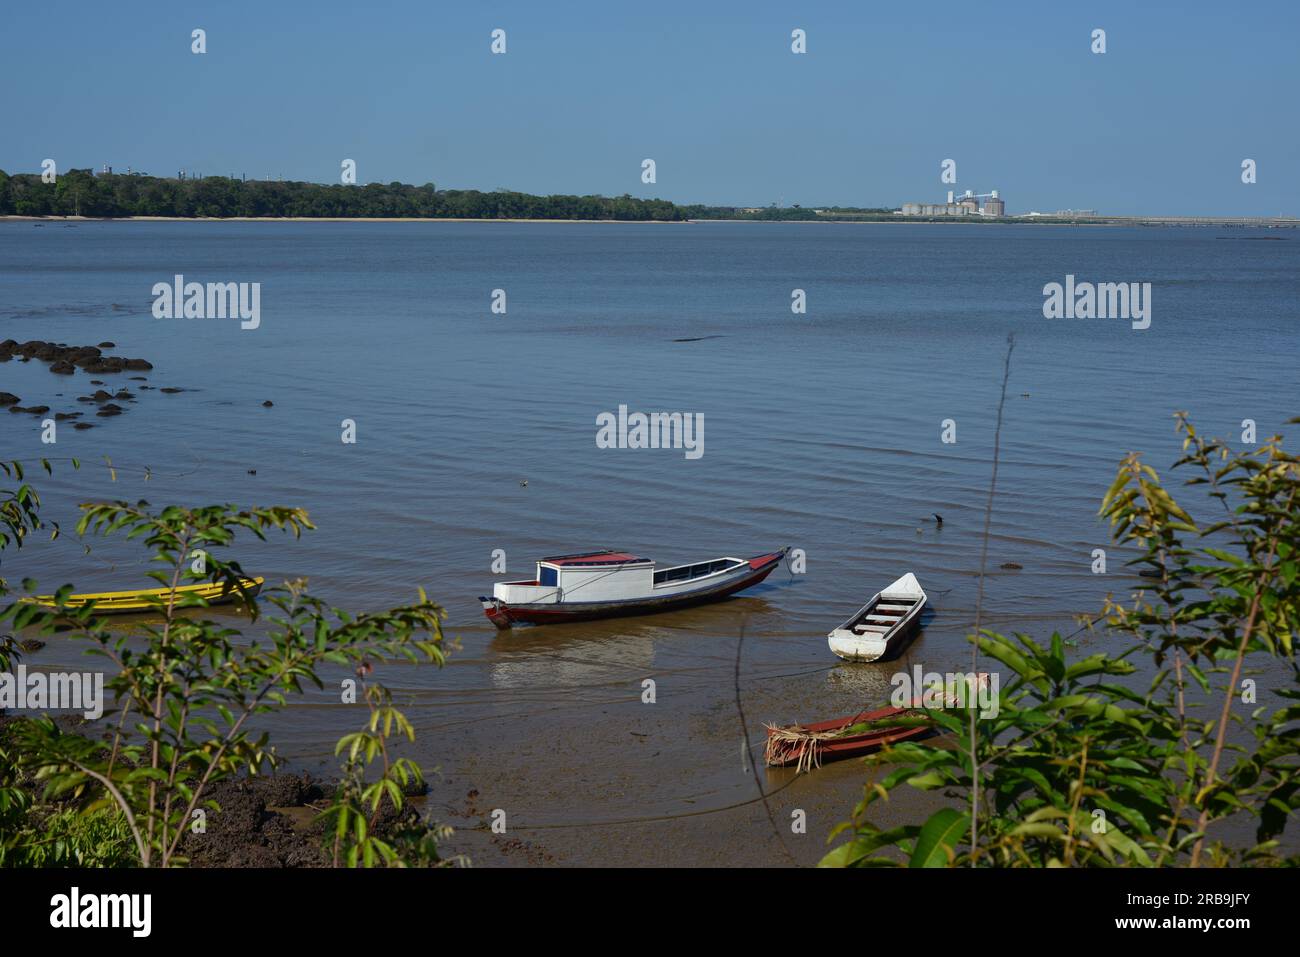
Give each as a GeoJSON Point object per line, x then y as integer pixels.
{"type": "Point", "coordinates": [968, 204]}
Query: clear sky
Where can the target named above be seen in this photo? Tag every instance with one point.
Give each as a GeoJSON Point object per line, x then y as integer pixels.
{"type": "Point", "coordinates": [1159, 123]}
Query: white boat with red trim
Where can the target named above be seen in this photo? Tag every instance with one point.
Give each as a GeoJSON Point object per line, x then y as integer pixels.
{"type": "Point", "coordinates": [609, 584]}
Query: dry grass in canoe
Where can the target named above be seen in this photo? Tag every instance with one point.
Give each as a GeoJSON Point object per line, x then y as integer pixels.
{"type": "Point", "coordinates": [806, 746]}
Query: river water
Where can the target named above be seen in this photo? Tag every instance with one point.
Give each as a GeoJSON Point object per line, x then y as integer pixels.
{"type": "Point", "coordinates": [823, 430]}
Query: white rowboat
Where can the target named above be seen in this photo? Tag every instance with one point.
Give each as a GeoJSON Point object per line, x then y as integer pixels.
{"type": "Point", "coordinates": [883, 624]}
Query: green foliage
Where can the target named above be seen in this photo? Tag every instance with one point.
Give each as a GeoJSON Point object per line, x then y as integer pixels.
{"type": "Point", "coordinates": [20, 514]}
{"type": "Point", "coordinates": [188, 688]}
{"type": "Point", "coordinates": [1079, 767]}
{"type": "Point", "coordinates": [358, 804]}
{"type": "Point", "coordinates": [70, 837]}
{"type": "Point", "coordinates": [114, 195]}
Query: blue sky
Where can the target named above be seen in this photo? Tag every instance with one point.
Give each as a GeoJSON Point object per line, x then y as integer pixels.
{"type": "Point", "coordinates": [1160, 123]}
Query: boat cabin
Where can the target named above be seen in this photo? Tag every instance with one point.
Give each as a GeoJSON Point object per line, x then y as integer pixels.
{"type": "Point", "coordinates": [588, 576]}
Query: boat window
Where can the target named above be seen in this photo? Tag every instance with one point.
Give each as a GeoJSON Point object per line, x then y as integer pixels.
{"type": "Point", "coordinates": [688, 572]}
{"type": "Point", "coordinates": [679, 574]}
{"type": "Point", "coordinates": [548, 576]}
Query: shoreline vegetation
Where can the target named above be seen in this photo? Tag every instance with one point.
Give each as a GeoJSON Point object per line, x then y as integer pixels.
{"type": "Point", "coordinates": [82, 195]}
{"type": "Point", "coordinates": [139, 792]}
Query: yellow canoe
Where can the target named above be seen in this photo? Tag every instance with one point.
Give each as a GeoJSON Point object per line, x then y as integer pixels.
{"type": "Point", "coordinates": [126, 602]}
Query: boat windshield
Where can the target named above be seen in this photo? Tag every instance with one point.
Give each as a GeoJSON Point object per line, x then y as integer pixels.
{"type": "Point", "coordinates": [684, 573]}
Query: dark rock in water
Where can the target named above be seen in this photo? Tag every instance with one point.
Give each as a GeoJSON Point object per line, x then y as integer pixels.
{"type": "Point", "coordinates": [267, 404]}
{"type": "Point", "coordinates": [96, 381]}
{"type": "Point", "coordinates": [37, 409]}
{"type": "Point", "coordinates": [1011, 566]}
{"type": "Point", "coordinates": [414, 788]}
{"type": "Point", "coordinates": [123, 394]}
{"type": "Point", "coordinates": [143, 387]}
{"type": "Point", "coordinates": [102, 396]}
{"type": "Point", "coordinates": [8, 398]}
{"type": "Point", "coordinates": [110, 409]}
{"type": "Point", "coordinates": [139, 378]}
{"type": "Point", "coordinates": [170, 390]}
{"type": "Point", "coordinates": [83, 425]}
{"type": "Point", "coordinates": [252, 471]}
{"type": "Point", "coordinates": [85, 398]}
{"type": "Point", "coordinates": [65, 359]}
{"type": "Point", "coordinates": [31, 644]}
{"type": "Point", "coordinates": [63, 416]}
{"type": "Point", "coordinates": [16, 408]}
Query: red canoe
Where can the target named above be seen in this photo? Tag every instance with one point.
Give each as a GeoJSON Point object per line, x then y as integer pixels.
{"type": "Point", "coordinates": [808, 745]}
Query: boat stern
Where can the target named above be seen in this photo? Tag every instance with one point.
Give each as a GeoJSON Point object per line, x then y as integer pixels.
{"type": "Point", "coordinates": [854, 647]}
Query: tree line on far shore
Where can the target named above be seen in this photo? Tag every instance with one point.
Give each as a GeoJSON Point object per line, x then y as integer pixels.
{"type": "Point", "coordinates": [80, 192]}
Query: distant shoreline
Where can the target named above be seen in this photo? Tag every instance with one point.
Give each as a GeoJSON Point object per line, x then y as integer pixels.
{"type": "Point", "coordinates": [1224, 221]}
{"type": "Point", "coordinates": [330, 219]}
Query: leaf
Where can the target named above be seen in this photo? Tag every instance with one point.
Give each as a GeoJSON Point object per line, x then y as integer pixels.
{"type": "Point", "coordinates": [938, 836]}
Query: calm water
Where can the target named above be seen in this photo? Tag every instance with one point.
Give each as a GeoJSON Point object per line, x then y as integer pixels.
{"type": "Point", "coordinates": [822, 431]}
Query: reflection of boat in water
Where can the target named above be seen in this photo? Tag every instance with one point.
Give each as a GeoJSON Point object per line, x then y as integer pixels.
{"type": "Point", "coordinates": [618, 659]}
{"type": "Point", "coordinates": [860, 684]}
{"type": "Point", "coordinates": [607, 584]}
{"type": "Point", "coordinates": [883, 625]}
{"type": "Point", "coordinates": [623, 651]}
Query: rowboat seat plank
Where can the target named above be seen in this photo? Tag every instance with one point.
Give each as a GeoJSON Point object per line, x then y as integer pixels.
{"type": "Point", "coordinates": [899, 608]}
{"type": "Point", "coordinates": [877, 629]}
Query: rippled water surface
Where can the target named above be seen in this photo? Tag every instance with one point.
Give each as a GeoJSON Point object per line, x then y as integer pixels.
{"type": "Point", "coordinates": [822, 431]}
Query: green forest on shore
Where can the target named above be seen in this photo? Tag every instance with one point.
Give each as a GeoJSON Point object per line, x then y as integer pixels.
{"type": "Point", "coordinates": [81, 192]}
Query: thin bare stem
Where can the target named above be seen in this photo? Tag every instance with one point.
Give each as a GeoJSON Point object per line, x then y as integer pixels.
{"type": "Point", "coordinates": [979, 600]}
